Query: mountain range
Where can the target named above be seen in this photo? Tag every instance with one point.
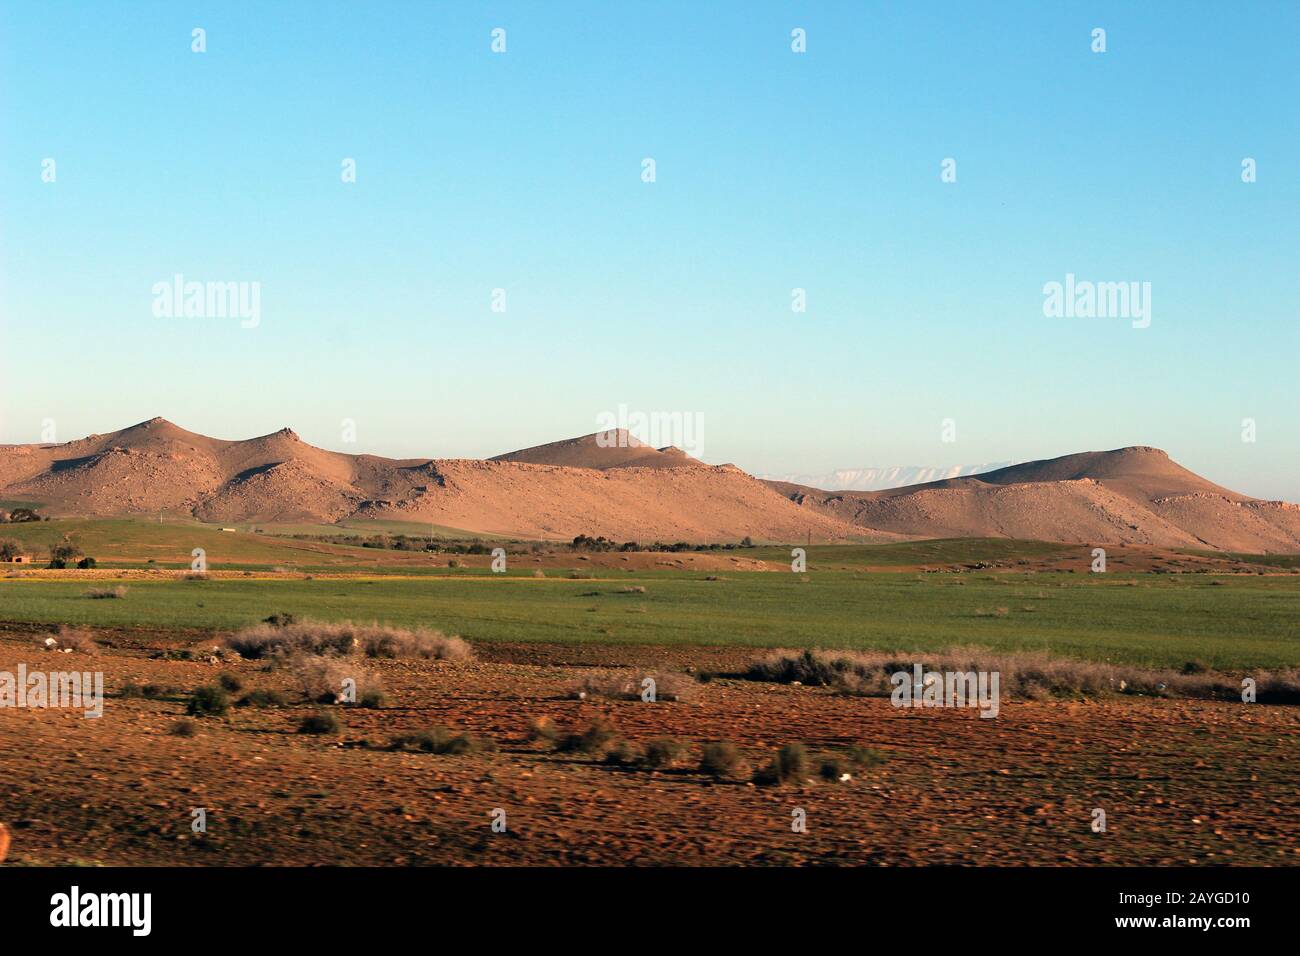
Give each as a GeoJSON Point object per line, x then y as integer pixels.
{"type": "Point", "coordinates": [612, 484]}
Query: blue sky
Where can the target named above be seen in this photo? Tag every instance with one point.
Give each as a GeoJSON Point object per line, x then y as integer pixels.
{"type": "Point", "coordinates": [774, 171]}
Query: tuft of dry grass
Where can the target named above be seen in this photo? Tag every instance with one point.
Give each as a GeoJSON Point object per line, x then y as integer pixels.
{"type": "Point", "coordinates": [263, 698]}
{"type": "Point", "coordinates": [103, 594]}
{"type": "Point", "coordinates": [598, 735]}
{"type": "Point", "coordinates": [629, 685]}
{"type": "Point", "coordinates": [1030, 675]}
{"type": "Point", "coordinates": [270, 641]}
{"type": "Point", "coordinates": [440, 740]}
{"type": "Point", "coordinates": [721, 759]}
{"type": "Point", "coordinates": [184, 728]}
{"type": "Point", "coordinates": [324, 680]}
{"type": "Point", "coordinates": [322, 722]}
{"type": "Point", "coordinates": [662, 753]}
{"type": "Point", "coordinates": [789, 765]}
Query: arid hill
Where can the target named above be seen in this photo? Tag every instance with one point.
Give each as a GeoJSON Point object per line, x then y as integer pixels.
{"type": "Point", "coordinates": [626, 491]}
{"type": "Point", "coordinates": [617, 448]}
{"type": "Point", "coordinates": [614, 485]}
{"type": "Point", "coordinates": [1131, 495]}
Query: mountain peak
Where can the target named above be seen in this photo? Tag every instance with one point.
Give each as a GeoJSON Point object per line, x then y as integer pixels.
{"type": "Point", "coordinates": [614, 448]}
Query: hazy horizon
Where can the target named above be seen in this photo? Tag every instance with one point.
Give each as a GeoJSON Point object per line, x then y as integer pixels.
{"type": "Point", "coordinates": [775, 171]}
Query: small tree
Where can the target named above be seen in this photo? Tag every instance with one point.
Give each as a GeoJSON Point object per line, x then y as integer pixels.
{"type": "Point", "coordinates": [10, 549]}
{"type": "Point", "coordinates": [65, 552]}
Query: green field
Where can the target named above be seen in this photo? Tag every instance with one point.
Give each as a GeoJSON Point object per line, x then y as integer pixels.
{"type": "Point", "coordinates": [130, 543]}
{"type": "Point", "coordinates": [1142, 619]}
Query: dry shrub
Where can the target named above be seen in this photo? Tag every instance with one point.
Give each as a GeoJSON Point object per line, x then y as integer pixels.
{"type": "Point", "coordinates": [184, 728]}
{"type": "Point", "coordinates": [102, 594]}
{"type": "Point", "coordinates": [789, 765]}
{"type": "Point", "coordinates": [623, 753]}
{"type": "Point", "coordinates": [422, 643]}
{"type": "Point", "coordinates": [440, 740]}
{"type": "Point", "coordinates": [322, 722]}
{"type": "Point", "coordinates": [322, 680]}
{"type": "Point", "coordinates": [1032, 675]}
{"type": "Point", "coordinates": [208, 702]}
{"type": "Point", "coordinates": [834, 767]}
{"type": "Point", "coordinates": [263, 698]}
{"type": "Point", "coordinates": [594, 739]}
{"type": "Point", "coordinates": [230, 682]}
{"type": "Point", "coordinates": [721, 759]}
{"type": "Point", "coordinates": [627, 685]}
{"type": "Point", "coordinates": [70, 640]}
{"type": "Point", "coordinates": [544, 729]}
{"type": "Point", "coordinates": [268, 640]}
{"type": "Point", "coordinates": [663, 752]}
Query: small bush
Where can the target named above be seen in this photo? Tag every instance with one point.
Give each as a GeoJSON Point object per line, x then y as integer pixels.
{"type": "Point", "coordinates": [592, 740]}
{"type": "Point", "coordinates": [321, 722]}
{"type": "Point", "coordinates": [622, 753]}
{"type": "Point", "coordinates": [538, 573]}
{"type": "Point", "coordinates": [101, 594]}
{"type": "Point", "coordinates": [324, 680]}
{"type": "Point", "coordinates": [231, 683]}
{"type": "Point", "coordinates": [87, 563]}
{"type": "Point", "coordinates": [720, 759]}
{"type": "Point", "coordinates": [184, 728]}
{"type": "Point", "coordinates": [210, 701]}
{"type": "Point", "coordinates": [790, 764]}
{"type": "Point", "coordinates": [834, 769]}
{"type": "Point", "coordinates": [543, 728]}
{"type": "Point", "coordinates": [440, 740]}
{"type": "Point", "coordinates": [372, 699]}
{"type": "Point", "coordinates": [663, 752]}
{"type": "Point", "coordinates": [283, 619]}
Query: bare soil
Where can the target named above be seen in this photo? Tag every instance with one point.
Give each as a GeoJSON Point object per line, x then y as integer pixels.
{"type": "Point", "coordinates": [1180, 781]}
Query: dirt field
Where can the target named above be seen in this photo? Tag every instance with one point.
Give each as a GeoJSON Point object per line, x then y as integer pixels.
{"type": "Point", "coordinates": [1179, 781]}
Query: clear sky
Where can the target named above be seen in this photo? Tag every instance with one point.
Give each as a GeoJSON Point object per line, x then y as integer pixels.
{"type": "Point", "coordinates": [774, 170]}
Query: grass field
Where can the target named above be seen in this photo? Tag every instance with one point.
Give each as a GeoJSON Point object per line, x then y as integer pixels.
{"type": "Point", "coordinates": [1221, 620]}
{"type": "Point", "coordinates": [1157, 620]}
{"type": "Point", "coordinates": [132, 542]}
